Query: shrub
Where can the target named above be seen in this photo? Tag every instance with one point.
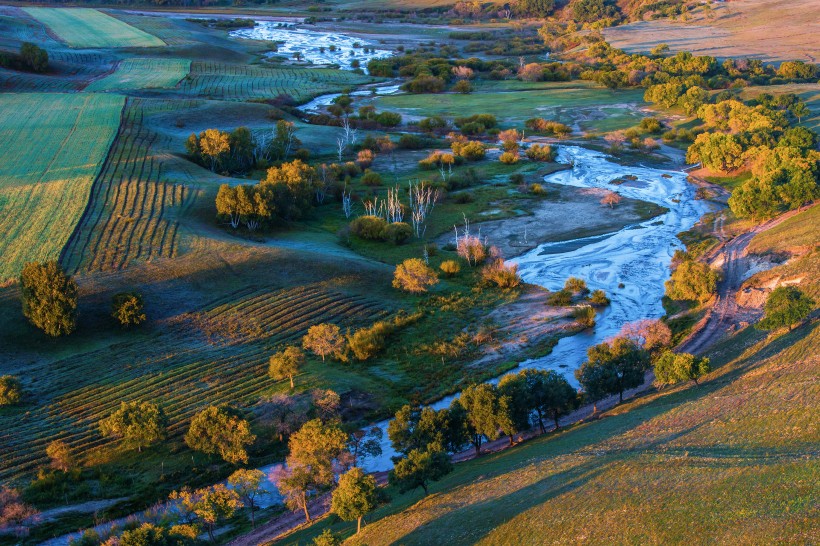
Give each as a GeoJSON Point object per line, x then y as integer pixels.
{"type": "Point", "coordinates": [49, 298]}
{"type": "Point", "coordinates": [508, 158]}
{"type": "Point", "coordinates": [388, 119]}
{"type": "Point", "coordinates": [413, 275]}
{"type": "Point", "coordinates": [693, 281]}
{"type": "Point", "coordinates": [408, 141]}
{"type": "Point", "coordinates": [397, 232]}
{"type": "Point", "coordinates": [501, 274]}
{"type": "Point", "coordinates": [368, 227]}
{"type": "Point", "coordinates": [365, 158]}
{"type": "Point", "coordinates": [598, 297]}
{"type": "Point", "coordinates": [562, 298]}
{"type": "Point", "coordinates": [128, 309]}
{"type": "Point", "coordinates": [424, 84]}
{"type": "Point", "coordinates": [11, 390]}
{"type": "Point", "coordinates": [537, 189]}
{"type": "Point", "coordinates": [576, 285]}
{"type": "Point", "coordinates": [463, 86]}
{"type": "Point", "coordinates": [471, 249]}
{"type": "Point", "coordinates": [471, 150]}
{"type": "Point", "coordinates": [651, 125]}
{"type": "Point", "coordinates": [585, 315]}
{"type": "Point", "coordinates": [433, 123]}
{"type": "Point", "coordinates": [371, 178]}
{"type": "Point", "coordinates": [541, 152]}
{"type": "Point", "coordinates": [450, 268]}
{"type": "Point", "coordinates": [785, 307]}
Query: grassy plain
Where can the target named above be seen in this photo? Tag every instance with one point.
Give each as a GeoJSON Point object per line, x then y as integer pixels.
{"type": "Point", "coordinates": [86, 28]}
{"type": "Point", "coordinates": [55, 144]}
{"type": "Point", "coordinates": [143, 73]}
{"type": "Point", "coordinates": [584, 106]}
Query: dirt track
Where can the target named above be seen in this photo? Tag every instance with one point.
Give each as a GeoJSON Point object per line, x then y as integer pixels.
{"type": "Point", "coordinates": [725, 313]}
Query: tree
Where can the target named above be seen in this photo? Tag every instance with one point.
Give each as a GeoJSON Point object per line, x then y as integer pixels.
{"type": "Point", "coordinates": [34, 58]}
{"type": "Point", "coordinates": [513, 405]}
{"type": "Point", "coordinates": [785, 307]}
{"type": "Point", "coordinates": [413, 275]}
{"type": "Point", "coordinates": [327, 538]}
{"type": "Point", "coordinates": [613, 367]}
{"type": "Point", "coordinates": [283, 414]}
{"type": "Point", "coordinates": [418, 468]}
{"type": "Point", "coordinates": [223, 430]}
{"type": "Point", "coordinates": [537, 8]}
{"type": "Point", "coordinates": [799, 110]}
{"type": "Point", "coordinates": [364, 443]}
{"type": "Point", "coordinates": [128, 309]}
{"type": "Point", "coordinates": [14, 513]}
{"type": "Point", "coordinates": [213, 144]}
{"type": "Point", "coordinates": [209, 505]}
{"type": "Point", "coordinates": [355, 496]}
{"type": "Point", "coordinates": [716, 151]}
{"type": "Point", "coordinates": [309, 465]}
{"type": "Point", "coordinates": [671, 368]}
{"type": "Point", "coordinates": [324, 339]}
{"type": "Point", "coordinates": [481, 403]}
{"type": "Point", "coordinates": [610, 199]}
{"type": "Point", "coordinates": [49, 298]}
{"type": "Point", "coordinates": [11, 390]}
{"type": "Point", "coordinates": [61, 456]}
{"type": "Point", "coordinates": [149, 534]}
{"type": "Point", "coordinates": [692, 280]}
{"type": "Point", "coordinates": [139, 424]}
{"type": "Point", "coordinates": [596, 380]}
{"type": "Point", "coordinates": [284, 141]}
{"type": "Point", "coordinates": [550, 394]}
{"type": "Point", "coordinates": [286, 364]}
{"type": "Point", "coordinates": [651, 334]}
{"type": "Point", "coordinates": [248, 485]}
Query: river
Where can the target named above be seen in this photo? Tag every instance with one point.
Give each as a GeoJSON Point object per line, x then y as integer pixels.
{"type": "Point", "coordinates": [630, 265]}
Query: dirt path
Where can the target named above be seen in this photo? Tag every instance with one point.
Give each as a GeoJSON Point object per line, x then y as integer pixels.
{"type": "Point", "coordinates": [725, 313]}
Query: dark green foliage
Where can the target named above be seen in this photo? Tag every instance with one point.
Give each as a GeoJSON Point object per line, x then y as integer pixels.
{"type": "Point", "coordinates": [785, 307]}
{"type": "Point", "coordinates": [368, 227]}
{"type": "Point", "coordinates": [427, 429]}
{"type": "Point", "coordinates": [611, 368]}
{"type": "Point", "coordinates": [11, 391]}
{"type": "Point", "coordinates": [34, 58]}
{"type": "Point", "coordinates": [139, 424]}
{"type": "Point", "coordinates": [562, 298]}
{"type": "Point", "coordinates": [388, 119]}
{"type": "Point", "coordinates": [223, 430]}
{"type": "Point", "coordinates": [397, 232]}
{"type": "Point", "coordinates": [537, 8]}
{"type": "Point", "coordinates": [693, 281]}
{"type": "Point", "coordinates": [482, 404]}
{"type": "Point", "coordinates": [49, 298]}
{"type": "Point", "coordinates": [671, 368]}
{"type": "Point", "coordinates": [419, 468]}
{"type": "Point", "coordinates": [128, 309]}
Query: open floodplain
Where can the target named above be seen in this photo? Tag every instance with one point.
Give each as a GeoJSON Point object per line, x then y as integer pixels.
{"type": "Point", "coordinates": [389, 140]}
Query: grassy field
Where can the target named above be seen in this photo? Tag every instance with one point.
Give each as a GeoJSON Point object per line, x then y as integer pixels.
{"type": "Point", "coordinates": [242, 82]}
{"type": "Point", "coordinates": [141, 73]}
{"type": "Point", "coordinates": [87, 28]}
{"type": "Point", "coordinates": [54, 147]}
{"type": "Point", "coordinates": [763, 29]}
{"type": "Point", "coordinates": [585, 106]}
{"type": "Point", "coordinates": [134, 210]}
{"type": "Point", "coordinates": [798, 234]}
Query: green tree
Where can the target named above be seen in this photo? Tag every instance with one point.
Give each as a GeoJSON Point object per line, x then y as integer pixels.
{"type": "Point", "coordinates": [716, 151]}
{"type": "Point", "coordinates": [139, 424]}
{"type": "Point", "coordinates": [128, 309]}
{"type": "Point", "coordinates": [785, 307]}
{"type": "Point", "coordinates": [799, 110]}
{"type": "Point", "coordinates": [481, 402]}
{"type": "Point", "coordinates": [324, 339]}
{"type": "Point", "coordinates": [355, 496]}
{"type": "Point", "coordinates": [327, 538]}
{"type": "Point", "coordinates": [671, 368]}
{"type": "Point", "coordinates": [364, 443]}
{"type": "Point", "coordinates": [286, 364]}
{"type": "Point", "coordinates": [248, 485]}
{"type": "Point", "coordinates": [413, 275]}
{"type": "Point", "coordinates": [514, 404]}
{"type": "Point", "coordinates": [550, 394]}
{"type": "Point", "coordinates": [35, 58]}
{"type": "Point", "coordinates": [426, 429]}
{"type": "Point", "coordinates": [611, 368]}
{"type": "Point", "coordinates": [691, 280]}
{"type": "Point", "coordinates": [418, 468]}
{"type": "Point", "coordinates": [49, 298]}
{"type": "Point", "coordinates": [309, 465]}
{"type": "Point", "coordinates": [209, 505]}
{"type": "Point", "coordinates": [60, 455]}
{"type": "Point", "coordinates": [537, 8]}
{"type": "Point", "coordinates": [223, 430]}
{"type": "Point", "coordinates": [11, 390]}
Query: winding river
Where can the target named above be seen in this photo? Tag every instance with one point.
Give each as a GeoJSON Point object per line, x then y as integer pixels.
{"type": "Point", "coordinates": [631, 265]}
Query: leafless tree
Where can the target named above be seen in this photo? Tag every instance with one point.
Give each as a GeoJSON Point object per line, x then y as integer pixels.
{"type": "Point", "coordinates": [423, 199]}
{"type": "Point", "coordinates": [347, 202]}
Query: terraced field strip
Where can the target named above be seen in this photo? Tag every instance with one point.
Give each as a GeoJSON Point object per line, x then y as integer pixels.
{"type": "Point", "coordinates": [241, 82]}
{"type": "Point", "coordinates": [53, 148]}
{"type": "Point", "coordinates": [88, 28]}
{"type": "Point", "coordinates": [164, 28]}
{"type": "Point", "coordinates": [12, 81]}
{"type": "Point", "coordinates": [17, 27]}
{"type": "Point", "coordinates": [133, 212]}
{"type": "Point", "coordinates": [179, 369]}
{"type": "Point", "coordinates": [142, 73]}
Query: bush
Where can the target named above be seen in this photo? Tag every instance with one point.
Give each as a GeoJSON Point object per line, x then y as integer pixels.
{"type": "Point", "coordinates": [397, 232]}
{"type": "Point", "coordinates": [371, 178]}
{"type": "Point", "coordinates": [501, 274]}
{"type": "Point", "coordinates": [463, 86]}
{"type": "Point", "coordinates": [365, 158]}
{"type": "Point", "coordinates": [388, 119]}
{"type": "Point", "coordinates": [694, 281]}
{"type": "Point", "coordinates": [450, 268]}
{"type": "Point", "coordinates": [413, 275]}
{"type": "Point", "coordinates": [410, 142]}
{"type": "Point", "coordinates": [128, 309]}
{"type": "Point", "coordinates": [562, 298]}
{"type": "Point", "coordinates": [785, 307]}
{"type": "Point", "coordinates": [424, 84]}
{"type": "Point", "coordinates": [576, 285]}
{"type": "Point", "coordinates": [49, 298]}
{"type": "Point", "coordinates": [585, 315]}
{"type": "Point", "coordinates": [651, 125]}
{"type": "Point", "coordinates": [471, 150]}
{"type": "Point", "coordinates": [537, 189]}
{"type": "Point", "coordinates": [541, 152]}
{"type": "Point", "coordinates": [508, 158]}
{"type": "Point", "coordinates": [11, 390]}
{"type": "Point", "coordinates": [599, 297]}
{"type": "Point", "coordinates": [672, 368]}
{"type": "Point", "coordinates": [433, 123]}
{"type": "Point", "coordinates": [368, 227]}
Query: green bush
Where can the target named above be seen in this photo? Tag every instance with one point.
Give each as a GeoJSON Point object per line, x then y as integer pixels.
{"type": "Point", "coordinates": [11, 391]}
{"type": "Point", "coordinates": [368, 227]}
{"type": "Point", "coordinates": [397, 232]}
{"type": "Point", "coordinates": [371, 178]}
{"type": "Point", "coordinates": [562, 298]}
